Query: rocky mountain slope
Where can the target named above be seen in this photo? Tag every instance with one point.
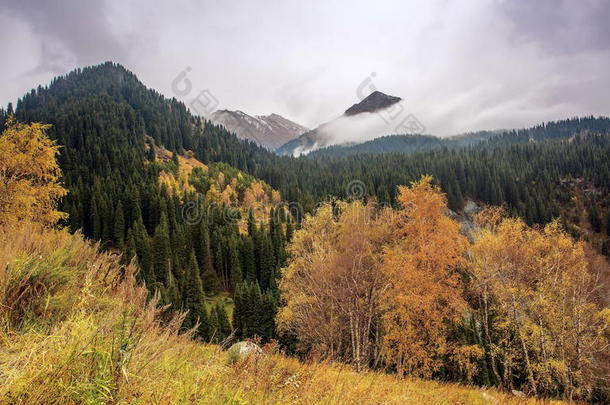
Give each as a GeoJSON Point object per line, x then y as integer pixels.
{"type": "Point", "coordinates": [270, 131]}
{"type": "Point", "coordinates": [376, 115]}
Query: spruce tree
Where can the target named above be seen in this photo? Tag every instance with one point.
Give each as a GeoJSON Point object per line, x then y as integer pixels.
{"type": "Point", "coordinates": [252, 231]}
{"type": "Point", "coordinates": [267, 262]}
{"type": "Point", "coordinates": [96, 225]}
{"type": "Point", "coordinates": [119, 224]}
{"type": "Point", "coordinates": [214, 327]}
{"type": "Point", "coordinates": [248, 259]}
{"type": "Point", "coordinates": [202, 246]}
{"type": "Point", "coordinates": [144, 251]}
{"type": "Point", "coordinates": [596, 223]}
{"type": "Point", "coordinates": [161, 250]}
{"type": "Point", "coordinates": [289, 230]}
{"type": "Point", "coordinates": [194, 298]}
{"type": "Point", "coordinates": [238, 310]}
{"type": "Point", "coordinates": [131, 251]}
{"type": "Point", "coordinates": [224, 327]}
{"type": "Point", "coordinates": [235, 272]}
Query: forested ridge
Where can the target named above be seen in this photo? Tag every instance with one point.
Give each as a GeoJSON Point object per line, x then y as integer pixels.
{"type": "Point", "coordinates": [238, 272]}
{"type": "Point", "coordinates": [503, 168]}
{"type": "Point", "coordinates": [108, 125]}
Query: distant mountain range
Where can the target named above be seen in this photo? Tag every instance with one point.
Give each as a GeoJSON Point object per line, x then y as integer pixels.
{"type": "Point", "coordinates": [270, 131]}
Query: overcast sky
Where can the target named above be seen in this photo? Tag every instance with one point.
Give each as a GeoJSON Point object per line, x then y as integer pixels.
{"type": "Point", "coordinates": [460, 65]}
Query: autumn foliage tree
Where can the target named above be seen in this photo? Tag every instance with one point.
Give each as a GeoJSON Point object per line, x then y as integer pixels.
{"type": "Point", "coordinates": [332, 286]}
{"type": "Point", "coordinates": [29, 175]}
{"type": "Point", "coordinates": [424, 294]}
{"type": "Point", "coordinates": [373, 286]}
{"type": "Point", "coordinates": [542, 329]}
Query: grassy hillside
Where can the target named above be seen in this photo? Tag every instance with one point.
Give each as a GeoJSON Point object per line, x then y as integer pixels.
{"type": "Point", "coordinates": [75, 328]}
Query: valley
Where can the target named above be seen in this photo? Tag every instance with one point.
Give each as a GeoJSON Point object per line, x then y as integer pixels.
{"type": "Point", "coordinates": [176, 238]}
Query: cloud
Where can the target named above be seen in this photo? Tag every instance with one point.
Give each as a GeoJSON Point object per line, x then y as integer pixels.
{"type": "Point", "coordinates": [460, 66]}
{"type": "Point", "coordinates": [69, 31]}
{"type": "Point", "coordinates": [561, 26]}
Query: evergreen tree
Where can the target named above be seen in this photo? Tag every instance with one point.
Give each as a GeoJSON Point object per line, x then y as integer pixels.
{"type": "Point", "coordinates": [96, 224]}
{"type": "Point", "coordinates": [596, 222]}
{"type": "Point", "coordinates": [162, 250]}
{"type": "Point", "coordinates": [144, 251]}
{"type": "Point", "coordinates": [215, 333]}
{"type": "Point", "coordinates": [119, 224]}
{"type": "Point", "coordinates": [235, 272]}
{"type": "Point", "coordinates": [224, 327]}
{"type": "Point", "coordinates": [131, 252]}
{"type": "Point", "coordinates": [202, 246]}
{"type": "Point", "coordinates": [194, 299]}
{"type": "Point", "coordinates": [251, 225]}
{"type": "Point", "coordinates": [238, 310]}
{"type": "Point", "coordinates": [268, 262]}
{"type": "Point", "coordinates": [289, 230]}
{"type": "Point", "coordinates": [248, 259]}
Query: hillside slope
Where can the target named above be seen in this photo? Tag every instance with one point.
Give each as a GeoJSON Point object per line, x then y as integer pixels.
{"type": "Point", "coordinates": [76, 328]}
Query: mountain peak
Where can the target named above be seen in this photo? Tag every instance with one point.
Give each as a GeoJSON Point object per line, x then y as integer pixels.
{"type": "Point", "coordinates": [270, 131]}
{"type": "Point", "coordinates": [373, 102]}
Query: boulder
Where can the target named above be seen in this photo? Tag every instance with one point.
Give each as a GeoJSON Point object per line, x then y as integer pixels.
{"type": "Point", "coordinates": [241, 350]}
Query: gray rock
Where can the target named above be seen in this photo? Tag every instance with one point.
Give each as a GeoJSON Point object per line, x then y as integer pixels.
{"type": "Point", "coordinates": [241, 350]}
{"type": "Point", "coordinates": [518, 393]}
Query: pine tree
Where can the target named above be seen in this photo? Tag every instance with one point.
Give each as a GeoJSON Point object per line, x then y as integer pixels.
{"type": "Point", "coordinates": [219, 261]}
{"type": "Point", "coordinates": [596, 223]}
{"type": "Point", "coordinates": [130, 250]}
{"type": "Point", "coordinates": [204, 325]}
{"type": "Point", "coordinates": [251, 225]}
{"type": "Point", "coordinates": [175, 164]}
{"type": "Point", "coordinates": [119, 224]}
{"type": "Point", "coordinates": [289, 230]}
{"type": "Point", "coordinates": [144, 251]}
{"type": "Point", "coordinates": [172, 291]}
{"type": "Point", "coordinates": [162, 250]}
{"type": "Point", "coordinates": [235, 272]}
{"type": "Point", "coordinates": [267, 310]}
{"type": "Point", "coordinates": [238, 310]}
{"type": "Point", "coordinates": [214, 327]}
{"type": "Point", "coordinates": [253, 316]}
{"type": "Point", "coordinates": [194, 297]}
{"type": "Point", "coordinates": [202, 246]}
{"type": "Point", "coordinates": [267, 262]}
{"type": "Point", "coordinates": [248, 259]}
{"type": "Point", "coordinates": [224, 327]}
{"type": "Point", "coordinates": [96, 225]}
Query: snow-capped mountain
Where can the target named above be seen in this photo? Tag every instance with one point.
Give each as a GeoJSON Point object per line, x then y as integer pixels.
{"type": "Point", "coordinates": [270, 131]}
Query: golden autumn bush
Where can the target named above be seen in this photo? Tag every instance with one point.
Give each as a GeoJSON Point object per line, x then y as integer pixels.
{"type": "Point", "coordinates": [538, 311]}
{"type": "Point", "coordinates": [404, 290]}
{"type": "Point", "coordinates": [29, 175]}
{"type": "Point", "coordinates": [374, 286]}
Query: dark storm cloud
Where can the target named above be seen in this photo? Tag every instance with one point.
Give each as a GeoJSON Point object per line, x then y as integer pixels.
{"type": "Point", "coordinates": [460, 65]}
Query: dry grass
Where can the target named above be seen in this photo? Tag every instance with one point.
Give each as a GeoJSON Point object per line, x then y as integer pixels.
{"type": "Point", "coordinates": [76, 329]}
